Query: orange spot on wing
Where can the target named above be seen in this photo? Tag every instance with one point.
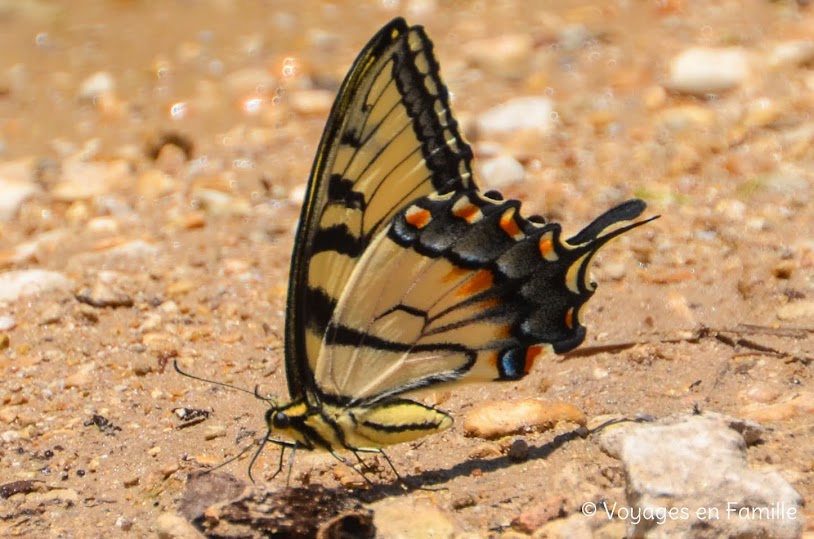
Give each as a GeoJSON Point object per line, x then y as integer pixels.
{"type": "Point", "coordinates": [492, 359]}
{"type": "Point", "coordinates": [477, 283]}
{"type": "Point", "coordinates": [532, 353]}
{"type": "Point", "coordinates": [546, 246]}
{"type": "Point", "coordinates": [503, 332]}
{"type": "Point", "coordinates": [509, 225]}
{"type": "Point", "coordinates": [569, 318]}
{"type": "Point", "coordinates": [488, 303]}
{"type": "Point", "coordinates": [467, 212]}
{"type": "Point", "coordinates": [418, 217]}
{"type": "Point", "coordinates": [455, 274]}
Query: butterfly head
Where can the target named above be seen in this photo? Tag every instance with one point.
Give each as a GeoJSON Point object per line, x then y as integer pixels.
{"type": "Point", "coordinates": [288, 420]}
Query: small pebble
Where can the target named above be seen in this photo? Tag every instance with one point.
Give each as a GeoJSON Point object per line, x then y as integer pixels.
{"type": "Point", "coordinates": [783, 269]}
{"type": "Point", "coordinates": [495, 419]}
{"type": "Point", "coordinates": [704, 70]}
{"type": "Point", "coordinates": [65, 496]}
{"type": "Point", "coordinates": [506, 56]}
{"type": "Point", "coordinates": [104, 295]}
{"type": "Point", "coordinates": [131, 481]}
{"type": "Point", "coordinates": [518, 451]}
{"type": "Point", "coordinates": [798, 407]}
{"type": "Point", "coordinates": [536, 516]}
{"type": "Point", "coordinates": [462, 502]}
{"type": "Point", "coordinates": [14, 194]}
{"type": "Point", "coordinates": [124, 523]}
{"type": "Point", "coordinates": [502, 171]}
{"type": "Point", "coordinates": [311, 102]}
{"type": "Point", "coordinates": [762, 392]}
{"type": "Point", "coordinates": [520, 113]}
{"type": "Point", "coordinates": [348, 477]}
{"type": "Point", "coordinates": [484, 451]}
{"type": "Point", "coordinates": [792, 53]}
{"type": "Point", "coordinates": [8, 413]}
{"type": "Point", "coordinates": [95, 85]}
{"type": "Point", "coordinates": [796, 310]}
{"type": "Point", "coordinates": [82, 377]}
{"type": "Point", "coordinates": [143, 366]}
{"type": "Point", "coordinates": [7, 322]}
{"type": "Point", "coordinates": [214, 431]}
{"type": "Point", "coordinates": [15, 284]}
{"type": "Point", "coordinates": [154, 184]}
{"type": "Point", "coordinates": [81, 180]}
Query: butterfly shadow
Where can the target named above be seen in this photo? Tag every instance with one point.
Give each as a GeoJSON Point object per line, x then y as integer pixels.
{"type": "Point", "coordinates": [436, 479]}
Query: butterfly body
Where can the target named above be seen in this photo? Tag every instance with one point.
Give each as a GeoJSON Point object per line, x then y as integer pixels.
{"type": "Point", "coordinates": [404, 274]}
{"type": "Point", "coordinates": [357, 428]}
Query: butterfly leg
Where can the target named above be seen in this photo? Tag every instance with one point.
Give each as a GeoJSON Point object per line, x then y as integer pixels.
{"type": "Point", "coordinates": [344, 461]}
{"type": "Point", "coordinates": [378, 452]}
{"type": "Point", "coordinates": [282, 445]}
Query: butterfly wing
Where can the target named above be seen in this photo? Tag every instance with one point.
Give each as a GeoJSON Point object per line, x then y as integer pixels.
{"type": "Point", "coordinates": [460, 287]}
{"type": "Point", "coordinates": [390, 139]}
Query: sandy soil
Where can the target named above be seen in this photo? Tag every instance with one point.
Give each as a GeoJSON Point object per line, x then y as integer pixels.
{"type": "Point", "coordinates": [168, 188]}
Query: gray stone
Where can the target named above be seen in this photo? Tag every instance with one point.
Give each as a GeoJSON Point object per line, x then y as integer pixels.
{"type": "Point", "coordinates": [688, 477]}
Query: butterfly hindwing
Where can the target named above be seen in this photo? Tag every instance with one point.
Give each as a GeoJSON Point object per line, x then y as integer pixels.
{"type": "Point", "coordinates": [459, 286]}
{"type": "Point", "coordinates": [389, 140]}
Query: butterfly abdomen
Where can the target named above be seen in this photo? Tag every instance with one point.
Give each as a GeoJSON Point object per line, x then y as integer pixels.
{"type": "Point", "coordinates": [372, 426]}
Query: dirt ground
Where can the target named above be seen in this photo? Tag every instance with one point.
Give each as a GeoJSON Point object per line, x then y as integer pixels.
{"type": "Point", "coordinates": [167, 150]}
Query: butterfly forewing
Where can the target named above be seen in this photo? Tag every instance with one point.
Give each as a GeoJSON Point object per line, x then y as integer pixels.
{"type": "Point", "coordinates": [389, 140]}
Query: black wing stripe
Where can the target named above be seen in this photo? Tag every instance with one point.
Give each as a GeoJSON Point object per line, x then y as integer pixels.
{"type": "Point", "coordinates": [339, 239]}
{"type": "Point", "coordinates": [340, 189]}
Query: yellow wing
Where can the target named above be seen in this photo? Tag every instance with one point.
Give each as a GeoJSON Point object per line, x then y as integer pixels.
{"type": "Point", "coordinates": [390, 139]}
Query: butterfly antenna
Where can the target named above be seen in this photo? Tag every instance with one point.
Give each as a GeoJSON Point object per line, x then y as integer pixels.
{"type": "Point", "coordinates": [271, 400]}
{"type": "Point", "coordinates": [201, 379]}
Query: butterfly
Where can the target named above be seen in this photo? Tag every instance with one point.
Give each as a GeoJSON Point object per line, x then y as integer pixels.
{"type": "Point", "coordinates": [405, 275]}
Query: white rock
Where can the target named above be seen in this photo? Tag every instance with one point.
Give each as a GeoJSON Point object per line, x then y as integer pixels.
{"type": "Point", "coordinates": [88, 179]}
{"type": "Point", "coordinates": [14, 284]}
{"type": "Point", "coordinates": [311, 102]}
{"type": "Point", "coordinates": [698, 465]}
{"type": "Point", "coordinates": [15, 186]}
{"type": "Point", "coordinates": [97, 84]}
{"type": "Point", "coordinates": [7, 322]}
{"type": "Point", "coordinates": [792, 53]}
{"type": "Point", "coordinates": [502, 171]}
{"type": "Point", "coordinates": [14, 194]}
{"type": "Point", "coordinates": [503, 56]}
{"type": "Point", "coordinates": [797, 310]}
{"type": "Point", "coordinates": [517, 114]}
{"type": "Point", "coordinates": [704, 70]}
